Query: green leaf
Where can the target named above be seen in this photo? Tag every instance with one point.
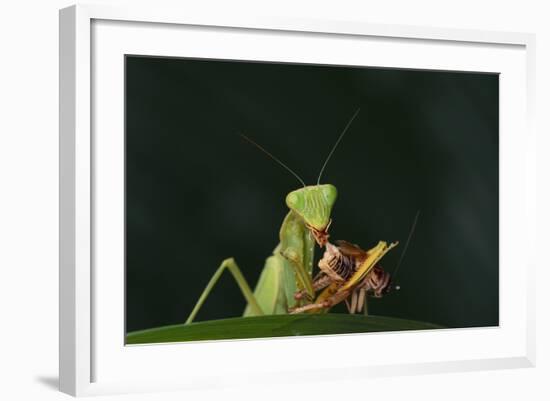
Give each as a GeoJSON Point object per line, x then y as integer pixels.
{"type": "Point", "coordinates": [274, 326]}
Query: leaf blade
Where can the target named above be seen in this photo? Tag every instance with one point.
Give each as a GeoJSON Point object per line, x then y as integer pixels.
{"type": "Point", "coordinates": [274, 326]}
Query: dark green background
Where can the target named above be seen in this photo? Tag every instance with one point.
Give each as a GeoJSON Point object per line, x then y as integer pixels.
{"type": "Point", "coordinates": [197, 193]}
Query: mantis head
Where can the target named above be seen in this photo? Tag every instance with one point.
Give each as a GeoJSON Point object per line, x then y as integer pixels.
{"type": "Point", "coordinates": [314, 205]}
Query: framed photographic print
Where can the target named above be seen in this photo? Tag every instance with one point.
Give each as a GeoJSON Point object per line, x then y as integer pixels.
{"type": "Point", "coordinates": [300, 185]}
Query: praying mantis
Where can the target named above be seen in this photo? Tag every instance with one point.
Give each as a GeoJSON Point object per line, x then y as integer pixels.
{"type": "Point", "coordinates": [288, 271]}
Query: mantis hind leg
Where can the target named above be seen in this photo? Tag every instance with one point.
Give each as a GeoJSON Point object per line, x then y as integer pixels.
{"type": "Point", "coordinates": [233, 268]}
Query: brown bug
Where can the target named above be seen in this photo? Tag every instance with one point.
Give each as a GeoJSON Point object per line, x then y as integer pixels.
{"type": "Point", "coordinates": [348, 273]}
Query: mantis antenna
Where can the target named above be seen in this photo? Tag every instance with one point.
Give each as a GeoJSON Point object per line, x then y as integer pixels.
{"type": "Point", "coordinates": [413, 227]}
{"type": "Point", "coordinates": [336, 144]}
{"type": "Point", "coordinates": [274, 158]}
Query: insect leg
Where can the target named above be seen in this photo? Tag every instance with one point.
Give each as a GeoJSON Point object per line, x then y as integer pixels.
{"type": "Point", "coordinates": [302, 278]}
{"type": "Point", "coordinates": [348, 305]}
{"type": "Point", "coordinates": [233, 268]}
{"type": "Point", "coordinates": [319, 282]}
{"type": "Point", "coordinates": [362, 299]}
{"type": "Point", "coordinates": [353, 302]}
{"type": "Point", "coordinates": [323, 303]}
{"type": "Point", "coordinates": [310, 307]}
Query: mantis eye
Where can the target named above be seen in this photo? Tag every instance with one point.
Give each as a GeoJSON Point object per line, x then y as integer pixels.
{"type": "Point", "coordinates": [329, 192]}
{"type": "Point", "coordinates": [292, 199]}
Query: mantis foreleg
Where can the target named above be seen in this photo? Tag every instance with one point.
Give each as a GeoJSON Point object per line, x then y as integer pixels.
{"type": "Point", "coordinates": [233, 268]}
{"type": "Point", "coordinates": [296, 248]}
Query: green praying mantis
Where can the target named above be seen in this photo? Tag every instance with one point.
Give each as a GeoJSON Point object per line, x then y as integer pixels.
{"type": "Point", "coordinates": [288, 271]}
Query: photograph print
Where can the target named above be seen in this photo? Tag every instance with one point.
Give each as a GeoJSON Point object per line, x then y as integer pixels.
{"type": "Point", "coordinates": [267, 199]}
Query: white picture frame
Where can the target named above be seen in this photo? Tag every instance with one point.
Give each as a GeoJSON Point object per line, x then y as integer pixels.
{"type": "Point", "coordinates": [82, 344]}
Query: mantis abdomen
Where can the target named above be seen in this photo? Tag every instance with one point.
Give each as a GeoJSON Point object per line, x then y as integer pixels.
{"type": "Point", "coordinates": [287, 270]}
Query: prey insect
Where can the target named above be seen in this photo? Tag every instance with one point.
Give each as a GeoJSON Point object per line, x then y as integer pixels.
{"type": "Point", "coordinates": [289, 269]}
{"type": "Point", "coordinates": [348, 273]}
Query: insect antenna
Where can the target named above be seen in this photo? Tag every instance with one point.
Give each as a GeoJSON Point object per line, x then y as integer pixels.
{"type": "Point", "coordinates": [274, 158]}
{"type": "Point", "coordinates": [336, 144]}
{"type": "Point", "coordinates": [413, 227]}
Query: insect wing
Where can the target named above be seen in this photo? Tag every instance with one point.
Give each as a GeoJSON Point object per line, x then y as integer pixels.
{"type": "Point", "coordinates": [349, 249]}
